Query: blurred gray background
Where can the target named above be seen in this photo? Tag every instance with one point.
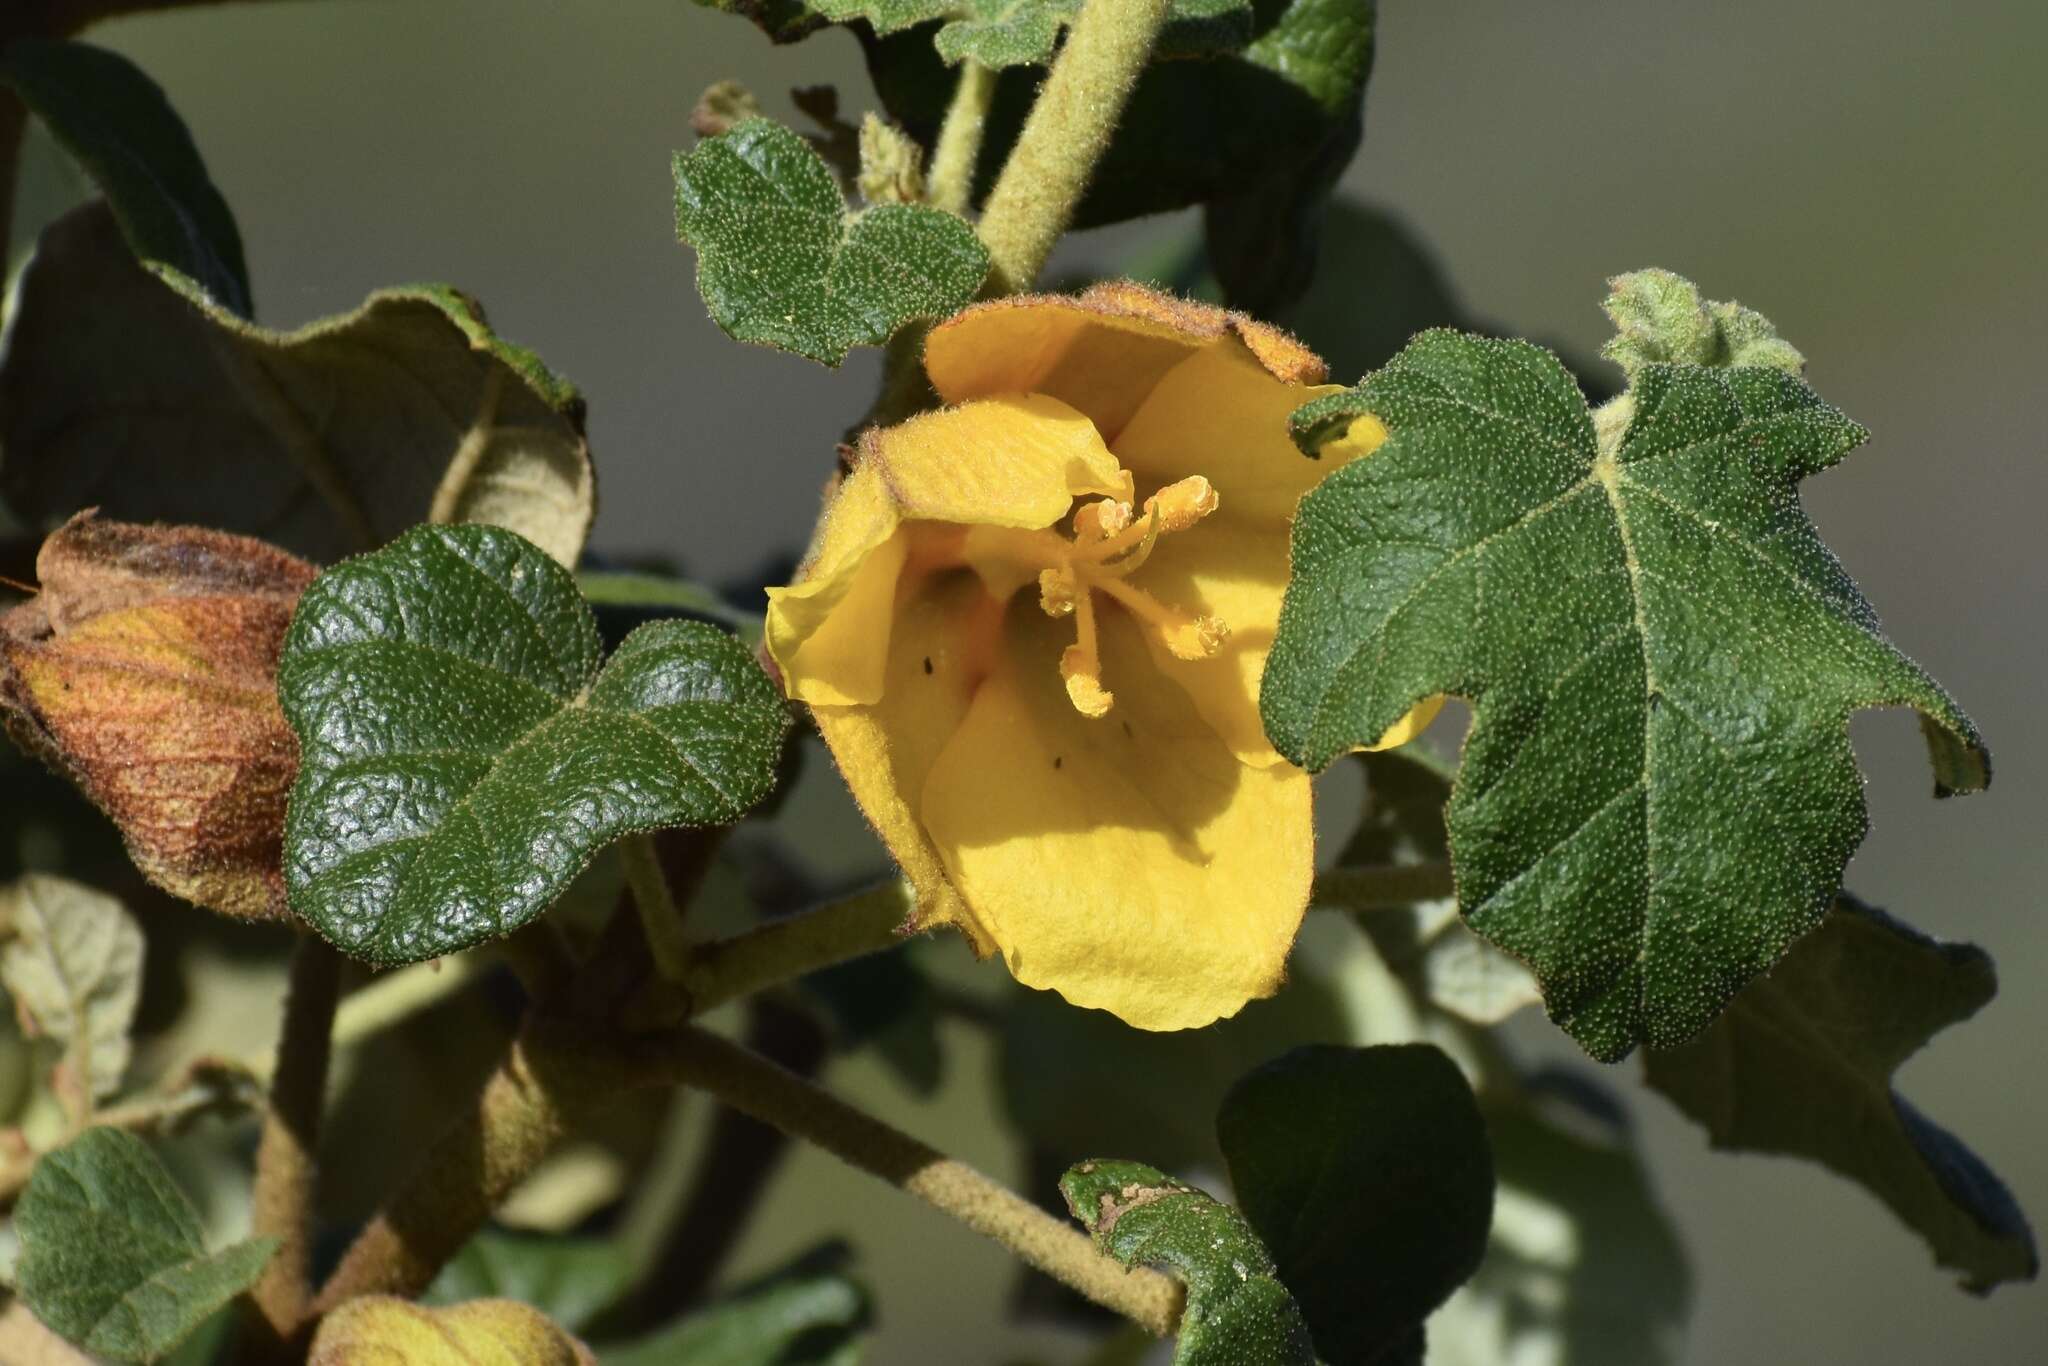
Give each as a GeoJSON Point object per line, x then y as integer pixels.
{"type": "Point", "coordinates": [1869, 173]}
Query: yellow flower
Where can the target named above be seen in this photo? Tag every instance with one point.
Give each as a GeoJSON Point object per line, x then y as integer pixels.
{"type": "Point", "coordinates": [1031, 629]}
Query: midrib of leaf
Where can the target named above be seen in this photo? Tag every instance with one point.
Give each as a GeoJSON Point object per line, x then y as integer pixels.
{"type": "Point", "coordinates": [1608, 472]}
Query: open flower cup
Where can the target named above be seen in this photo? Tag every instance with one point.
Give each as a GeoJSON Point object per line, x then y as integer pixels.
{"type": "Point", "coordinates": [1031, 628]}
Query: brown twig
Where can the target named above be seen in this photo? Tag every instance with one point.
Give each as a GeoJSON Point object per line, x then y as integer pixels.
{"type": "Point", "coordinates": [287, 1157]}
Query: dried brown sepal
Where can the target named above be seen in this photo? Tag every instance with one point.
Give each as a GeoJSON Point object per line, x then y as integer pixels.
{"type": "Point", "coordinates": [145, 672]}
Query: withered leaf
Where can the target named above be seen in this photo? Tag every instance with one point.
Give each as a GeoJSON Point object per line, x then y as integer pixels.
{"type": "Point", "coordinates": [145, 672]}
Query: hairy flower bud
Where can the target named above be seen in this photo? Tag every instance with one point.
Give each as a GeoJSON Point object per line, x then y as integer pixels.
{"type": "Point", "coordinates": [145, 672]}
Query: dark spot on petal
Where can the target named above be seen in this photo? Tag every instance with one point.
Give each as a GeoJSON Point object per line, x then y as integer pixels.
{"type": "Point", "coordinates": [1127, 730]}
{"type": "Point", "coordinates": [1057, 761]}
{"type": "Point", "coordinates": [927, 663]}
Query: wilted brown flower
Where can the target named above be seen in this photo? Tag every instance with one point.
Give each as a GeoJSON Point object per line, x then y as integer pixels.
{"type": "Point", "coordinates": [145, 672]}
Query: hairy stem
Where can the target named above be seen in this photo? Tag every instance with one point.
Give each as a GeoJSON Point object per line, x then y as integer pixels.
{"type": "Point", "coordinates": [1384, 886]}
{"type": "Point", "coordinates": [660, 918]}
{"type": "Point", "coordinates": [1065, 135]}
{"type": "Point", "coordinates": [521, 1113]}
{"type": "Point", "coordinates": [958, 150]}
{"type": "Point", "coordinates": [287, 1156]}
{"type": "Point", "coordinates": [783, 950]}
{"type": "Point", "coordinates": [755, 1086]}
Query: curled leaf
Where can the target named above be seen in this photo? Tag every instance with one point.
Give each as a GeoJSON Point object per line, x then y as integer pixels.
{"type": "Point", "coordinates": [145, 672]}
{"type": "Point", "coordinates": [133, 392]}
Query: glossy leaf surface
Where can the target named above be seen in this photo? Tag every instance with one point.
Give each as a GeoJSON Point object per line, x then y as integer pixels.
{"type": "Point", "coordinates": [463, 754]}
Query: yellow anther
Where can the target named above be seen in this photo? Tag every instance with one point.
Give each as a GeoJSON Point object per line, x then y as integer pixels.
{"type": "Point", "coordinates": [1198, 639]}
{"type": "Point", "coordinates": [1180, 505]}
{"type": "Point", "coordinates": [1084, 684]}
{"type": "Point", "coordinates": [1081, 664]}
{"type": "Point", "coordinates": [1185, 637]}
{"type": "Point", "coordinates": [1100, 520]}
{"type": "Point", "coordinates": [1057, 591]}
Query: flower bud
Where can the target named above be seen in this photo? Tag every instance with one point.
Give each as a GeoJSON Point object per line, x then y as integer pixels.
{"type": "Point", "coordinates": [145, 672]}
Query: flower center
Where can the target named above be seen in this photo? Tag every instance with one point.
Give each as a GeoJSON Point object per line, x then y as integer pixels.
{"type": "Point", "coordinates": [1108, 545]}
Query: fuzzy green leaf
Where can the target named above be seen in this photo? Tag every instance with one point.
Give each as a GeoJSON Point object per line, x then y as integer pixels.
{"type": "Point", "coordinates": [73, 963]}
{"type": "Point", "coordinates": [780, 261]}
{"type": "Point", "coordinates": [136, 395]}
{"type": "Point", "coordinates": [116, 123]}
{"type": "Point", "coordinates": [1362, 1167]}
{"type": "Point", "coordinates": [1655, 643]}
{"type": "Point", "coordinates": [1802, 1062]}
{"type": "Point", "coordinates": [1237, 1310]}
{"type": "Point", "coordinates": [463, 755]}
{"type": "Point", "coordinates": [112, 1256]}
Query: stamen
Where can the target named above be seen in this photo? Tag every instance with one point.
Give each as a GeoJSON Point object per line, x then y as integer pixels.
{"type": "Point", "coordinates": [1081, 664]}
{"type": "Point", "coordinates": [1180, 505]}
{"type": "Point", "coordinates": [1100, 520]}
{"type": "Point", "coordinates": [1058, 590]}
{"type": "Point", "coordinates": [1186, 637]}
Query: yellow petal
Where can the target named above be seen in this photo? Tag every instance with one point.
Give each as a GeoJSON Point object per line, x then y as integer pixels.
{"type": "Point", "coordinates": [936, 656]}
{"type": "Point", "coordinates": [1101, 352]}
{"type": "Point", "coordinates": [1220, 414]}
{"type": "Point", "coordinates": [829, 632]}
{"type": "Point", "coordinates": [1015, 460]}
{"type": "Point", "coordinates": [1130, 863]}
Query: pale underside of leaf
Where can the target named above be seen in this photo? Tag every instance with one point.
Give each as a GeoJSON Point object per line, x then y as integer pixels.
{"type": "Point", "coordinates": [327, 440]}
{"type": "Point", "coordinates": [73, 964]}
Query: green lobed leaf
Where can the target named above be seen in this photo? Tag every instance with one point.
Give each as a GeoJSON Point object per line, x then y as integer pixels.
{"type": "Point", "coordinates": [1237, 1309]}
{"type": "Point", "coordinates": [116, 123]}
{"type": "Point", "coordinates": [112, 1256]}
{"type": "Point", "coordinates": [138, 396]}
{"type": "Point", "coordinates": [569, 1279]}
{"type": "Point", "coordinates": [1802, 1062]}
{"type": "Point", "coordinates": [1362, 1167]}
{"type": "Point", "coordinates": [809, 1314]}
{"type": "Point", "coordinates": [463, 754]}
{"type": "Point", "coordinates": [73, 963]}
{"type": "Point", "coordinates": [1655, 643]}
{"type": "Point", "coordinates": [781, 262]}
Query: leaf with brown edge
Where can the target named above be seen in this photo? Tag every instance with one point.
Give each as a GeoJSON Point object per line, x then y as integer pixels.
{"type": "Point", "coordinates": [382, 1328]}
{"type": "Point", "coordinates": [145, 672]}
